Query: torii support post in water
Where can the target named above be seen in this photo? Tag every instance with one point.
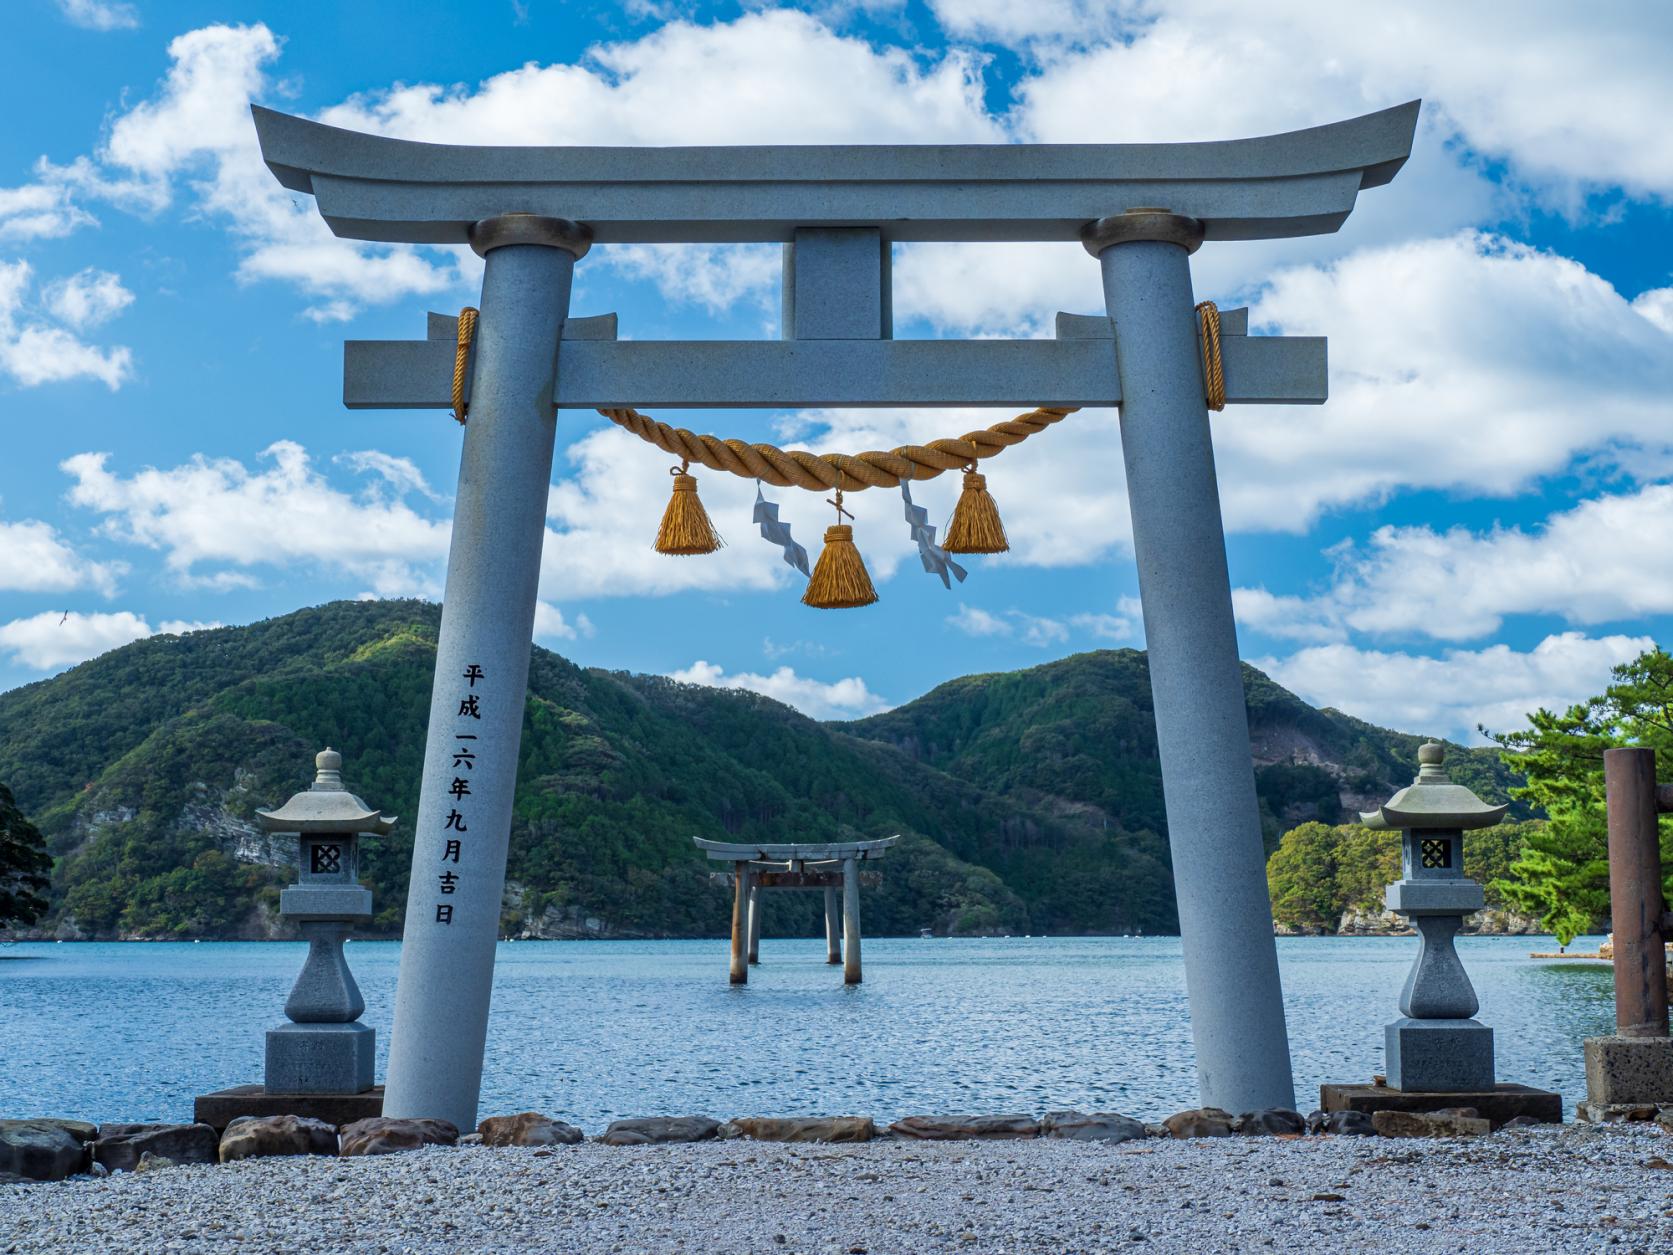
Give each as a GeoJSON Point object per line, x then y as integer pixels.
{"type": "Point", "coordinates": [839, 211]}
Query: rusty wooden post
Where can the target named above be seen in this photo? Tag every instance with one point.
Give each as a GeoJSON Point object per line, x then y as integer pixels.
{"type": "Point", "coordinates": [833, 925]}
{"type": "Point", "coordinates": [740, 924]}
{"type": "Point", "coordinates": [1635, 899]}
{"type": "Point", "coordinates": [851, 921]}
{"type": "Point", "coordinates": [755, 905]}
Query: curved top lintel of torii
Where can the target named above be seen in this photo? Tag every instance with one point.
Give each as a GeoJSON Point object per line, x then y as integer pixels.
{"type": "Point", "coordinates": [373, 187]}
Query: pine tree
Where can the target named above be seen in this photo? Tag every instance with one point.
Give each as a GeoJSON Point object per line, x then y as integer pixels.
{"type": "Point", "coordinates": [1563, 871]}
{"type": "Point", "coordinates": [24, 865]}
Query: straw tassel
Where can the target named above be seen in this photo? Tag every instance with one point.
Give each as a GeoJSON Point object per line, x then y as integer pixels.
{"type": "Point", "coordinates": [686, 529]}
{"type": "Point", "coordinates": [840, 580]}
{"type": "Point", "coordinates": [975, 525]}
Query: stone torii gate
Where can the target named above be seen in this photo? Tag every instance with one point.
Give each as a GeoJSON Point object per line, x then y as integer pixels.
{"type": "Point", "coordinates": [1140, 209]}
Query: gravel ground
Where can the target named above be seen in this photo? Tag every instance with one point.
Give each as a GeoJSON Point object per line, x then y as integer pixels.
{"type": "Point", "coordinates": [1577, 1188]}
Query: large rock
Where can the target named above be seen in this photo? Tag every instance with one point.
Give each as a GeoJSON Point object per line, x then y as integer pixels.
{"type": "Point", "coordinates": [1100, 1126]}
{"type": "Point", "coordinates": [528, 1129]}
{"type": "Point", "coordinates": [802, 1129]}
{"type": "Point", "coordinates": [654, 1130]}
{"type": "Point", "coordinates": [962, 1128]}
{"type": "Point", "coordinates": [41, 1150]}
{"type": "Point", "coordinates": [1428, 1124]}
{"type": "Point", "coordinates": [120, 1145]}
{"type": "Point", "coordinates": [384, 1135]}
{"type": "Point", "coordinates": [255, 1137]}
{"type": "Point", "coordinates": [1270, 1121]}
{"type": "Point", "coordinates": [1199, 1122]}
{"type": "Point", "coordinates": [1343, 1123]}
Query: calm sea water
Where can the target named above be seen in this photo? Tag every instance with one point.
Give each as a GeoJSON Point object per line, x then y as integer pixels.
{"type": "Point", "coordinates": [592, 1031]}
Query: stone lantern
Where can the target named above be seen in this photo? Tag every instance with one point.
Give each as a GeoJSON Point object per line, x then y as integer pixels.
{"type": "Point", "coordinates": [1438, 1047]}
{"type": "Point", "coordinates": [324, 1049]}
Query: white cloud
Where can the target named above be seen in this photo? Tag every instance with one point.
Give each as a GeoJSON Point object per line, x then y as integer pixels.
{"type": "Point", "coordinates": [1496, 687]}
{"type": "Point", "coordinates": [99, 15]}
{"type": "Point", "coordinates": [87, 298]}
{"type": "Point", "coordinates": [40, 211]}
{"type": "Point", "coordinates": [401, 474]}
{"type": "Point", "coordinates": [51, 639]}
{"type": "Point", "coordinates": [1468, 364]}
{"type": "Point", "coordinates": [1042, 631]}
{"type": "Point", "coordinates": [35, 559]}
{"type": "Point", "coordinates": [216, 519]}
{"type": "Point", "coordinates": [1606, 559]}
{"type": "Point", "coordinates": [1126, 625]}
{"type": "Point", "coordinates": [550, 624]}
{"type": "Point", "coordinates": [777, 76]}
{"type": "Point", "coordinates": [841, 699]}
{"type": "Point", "coordinates": [714, 276]}
{"type": "Point", "coordinates": [1657, 306]}
{"type": "Point", "coordinates": [33, 352]}
{"type": "Point", "coordinates": [974, 621]}
{"type": "Point", "coordinates": [1560, 92]}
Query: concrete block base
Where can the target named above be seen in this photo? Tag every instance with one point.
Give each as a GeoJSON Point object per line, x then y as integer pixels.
{"type": "Point", "coordinates": [1496, 1104]}
{"type": "Point", "coordinates": [1629, 1070]}
{"type": "Point", "coordinates": [320, 1058]}
{"type": "Point", "coordinates": [224, 1106]}
{"type": "Point", "coordinates": [1439, 1055]}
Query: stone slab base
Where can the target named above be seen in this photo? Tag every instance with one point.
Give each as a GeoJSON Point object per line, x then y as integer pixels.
{"type": "Point", "coordinates": [224, 1106]}
{"type": "Point", "coordinates": [320, 1058]}
{"type": "Point", "coordinates": [1496, 1105]}
{"type": "Point", "coordinates": [1625, 1112]}
{"type": "Point", "coordinates": [1436, 1055]}
{"type": "Point", "coordinates": [1629, 1070]}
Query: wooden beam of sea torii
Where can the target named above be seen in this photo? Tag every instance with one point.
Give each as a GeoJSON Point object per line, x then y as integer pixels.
{"type": "Point", "coordinates": [827, 865]}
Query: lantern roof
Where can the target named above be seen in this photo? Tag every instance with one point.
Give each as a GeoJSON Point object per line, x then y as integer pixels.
{"type": "Point", "coordinates": [1433, 800]}
{"type": "Point", "coordinates": [326, 806]}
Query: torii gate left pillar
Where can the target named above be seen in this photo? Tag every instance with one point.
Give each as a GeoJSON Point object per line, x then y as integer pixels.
{"type": "Point", "coordinates": [482, 671]}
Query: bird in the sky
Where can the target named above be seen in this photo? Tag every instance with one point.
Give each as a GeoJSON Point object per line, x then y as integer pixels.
{"type": "Point", "coordinates": [65, 619]}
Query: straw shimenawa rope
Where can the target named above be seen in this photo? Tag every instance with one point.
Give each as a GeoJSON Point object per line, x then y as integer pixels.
{"type": "Point", "coordinates": [851, 472]}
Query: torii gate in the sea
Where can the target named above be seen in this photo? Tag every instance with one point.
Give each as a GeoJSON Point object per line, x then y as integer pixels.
{"type": "Point", "coordinates": [532, 213]}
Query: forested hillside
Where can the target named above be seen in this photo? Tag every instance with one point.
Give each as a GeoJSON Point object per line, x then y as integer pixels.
{"type": "Point", "coordinates": [1027, 802]}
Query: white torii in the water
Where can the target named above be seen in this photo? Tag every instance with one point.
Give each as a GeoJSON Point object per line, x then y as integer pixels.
{"type": "Point", "coordinates": [533, 212]}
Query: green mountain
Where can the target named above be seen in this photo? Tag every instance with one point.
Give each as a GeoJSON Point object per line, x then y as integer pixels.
{"type": "Point", "coordinates": [1026, 802]}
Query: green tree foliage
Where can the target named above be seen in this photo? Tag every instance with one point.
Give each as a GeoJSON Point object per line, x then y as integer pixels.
{"type": "Point", "coordinates": [24, 865]}
{"type": "Point", "coordinates": [1563, 872]}
{"type": "Point", "coordinates": [1318, 871]}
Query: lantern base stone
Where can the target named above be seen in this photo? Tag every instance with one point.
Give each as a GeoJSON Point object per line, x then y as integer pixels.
{"type": "Point", "coordinates": [226, 1105]}
{"type": "Point", "coordinates": [320, 1058]}
{"type": "Point", "coordinates": [1439, 1056]}
{"type": "Point", "coordinates": [1497, 1104]}
{"type": "Point", "coordinates": [1629, 1070]}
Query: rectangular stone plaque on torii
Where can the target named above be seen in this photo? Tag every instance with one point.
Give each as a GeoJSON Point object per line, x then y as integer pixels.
{"type": "Point", "coordinates": [1141, 209]}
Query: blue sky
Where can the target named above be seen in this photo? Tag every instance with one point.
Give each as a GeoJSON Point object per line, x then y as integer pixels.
{"type": "Point", "coordinates": [1475, 523]}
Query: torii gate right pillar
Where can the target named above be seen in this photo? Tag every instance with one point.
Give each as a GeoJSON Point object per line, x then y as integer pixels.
{"type": "Point", "coordinates": [1196, 680]}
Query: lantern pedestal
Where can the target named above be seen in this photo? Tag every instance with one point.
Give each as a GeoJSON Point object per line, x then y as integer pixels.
{"type": "Point", "coordinates": [320, 1058]}
{"type": "Point", "coordinates": [1439, 1055]}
